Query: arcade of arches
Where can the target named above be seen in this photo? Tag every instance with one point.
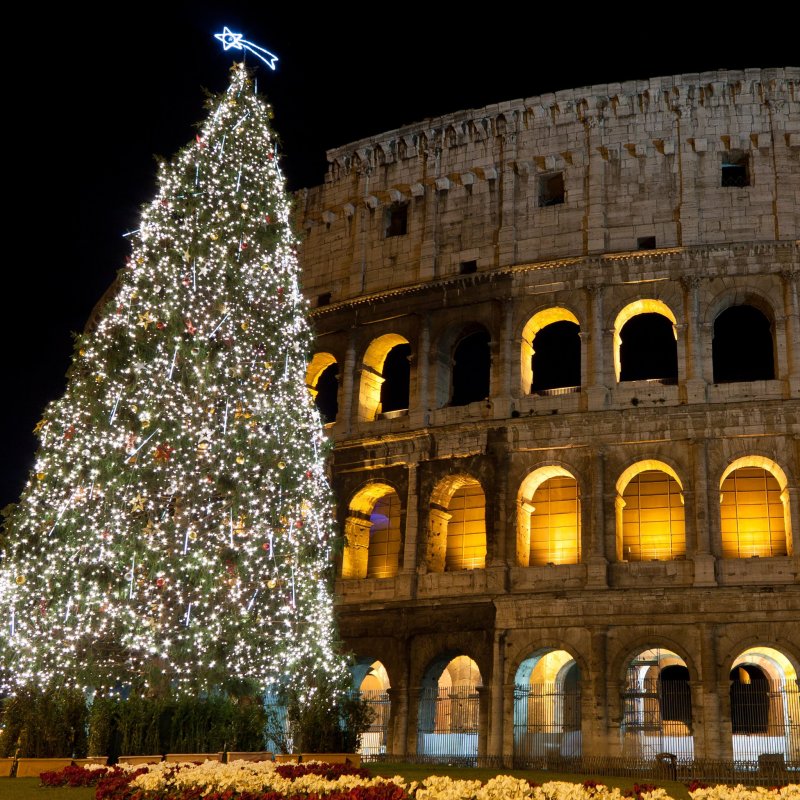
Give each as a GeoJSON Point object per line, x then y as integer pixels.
{"type": "Point", "coordinates": [546, 705]}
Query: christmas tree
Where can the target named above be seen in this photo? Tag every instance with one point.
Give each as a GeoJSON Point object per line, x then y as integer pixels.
{"type": "Point", "coordinates": [177, 523]}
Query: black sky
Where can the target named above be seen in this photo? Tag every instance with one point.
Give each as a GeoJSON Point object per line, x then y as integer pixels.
{"type": "Point", "coordinates": [91, 98]}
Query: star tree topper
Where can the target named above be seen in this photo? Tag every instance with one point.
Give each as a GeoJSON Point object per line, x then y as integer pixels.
{"type": "Point", "coordinates": [236, 41]}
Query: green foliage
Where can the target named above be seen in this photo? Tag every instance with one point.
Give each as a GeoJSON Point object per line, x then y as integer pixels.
{"type": "Point", "coordinates": [152, 725]}
{"type": "Point", "coordinates": [327, 719]}
{"type": "Point", "coordinates": [44, 724]}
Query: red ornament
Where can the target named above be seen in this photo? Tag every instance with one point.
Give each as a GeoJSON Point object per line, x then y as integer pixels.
{"type": "Point", "coordinates": [106, 534]}
{"type": "Point", "coordinates": [69, 433]}
{"type": "Point", "coordinates": [161, 325]}
{"type": "Point", "coordinates": [298, 524]}
{"type": "Point", "coordinates": [268, 219]}
{"type": "Point", "coordinates": [120, 309]}
{"type": "Point", "coordinates": [265, 546]}
{"type": "Point", "coordinates": [243, 246]}
{"type": "Point", "coordinates": [309, 473]}
{"type": "Point", "coordinates": [270, 156]}
{"type": "Point", "coordinates": [163, 452]}
{"type": "Point", "coordinates": [159, 582]}
{"type": "Point", "coordinates": [189, 327]}
{"type": "Point", "coordinates": [200, 143]}
{"type": "Point", "coordinates": [165, 203]}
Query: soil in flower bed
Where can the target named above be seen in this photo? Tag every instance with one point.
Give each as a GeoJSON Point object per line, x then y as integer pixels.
{"type": "Point", "coordinates": [31, 789]}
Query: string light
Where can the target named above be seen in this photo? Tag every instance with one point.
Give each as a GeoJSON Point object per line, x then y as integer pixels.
{"type": "Point", "coordinates": [189, 538]}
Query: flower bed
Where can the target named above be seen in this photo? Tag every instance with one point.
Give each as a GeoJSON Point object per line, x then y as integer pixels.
{"type": "Point", "coordinates": [264, 780]}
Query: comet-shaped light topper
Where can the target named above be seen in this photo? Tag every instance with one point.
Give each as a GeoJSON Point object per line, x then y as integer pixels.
{"type": "Point", "coordinates": [234, 40]}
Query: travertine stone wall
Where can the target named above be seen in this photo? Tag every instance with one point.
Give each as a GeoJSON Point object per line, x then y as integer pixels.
{"type": "Point", "coordinates": [639, 159]}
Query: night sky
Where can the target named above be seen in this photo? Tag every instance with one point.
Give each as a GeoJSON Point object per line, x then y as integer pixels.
{"type": "Point", "coordinates": [89, 100]}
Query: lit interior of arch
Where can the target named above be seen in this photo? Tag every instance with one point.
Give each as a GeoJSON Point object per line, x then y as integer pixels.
{"type": "Point", "coordinates": [548, 521]}
{"type": "Point", "coordinates": [754, 509]}
{"type": "Point", "coordinates": [369, 396]}
{"type": "Point", "coordinates": [456, 537]}
{"type": "Point", "coordinates": [651, 517]}
{"type": "Point", "coordinates": [372, 534]}
{"type": "Point", "coordinates": [318, 364]}
{"type": "Point", "coordinates": [646, 306]}
{"type": "Point", "coordinates": [538, 321]}
{"type": "Point", "coordinates": [775, 665]}
{"type": "Point", "coordinates": [457, 706]}
{"type": "Point", "coordinates": [376, 680]}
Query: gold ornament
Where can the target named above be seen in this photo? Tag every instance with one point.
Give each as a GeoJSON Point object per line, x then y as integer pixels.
{"type": "Point", "coordinates": [41, 425]}
{"type": "Point", "coordinates": [192, 536]}
{"type": "Point", "coordinates": [245, 206]}
{"type": "Point", "coordinates": [281, 465]}
{"type": "Point", "coordinates": [145, 319]}
{"type": "Point", "coordinates": [40, 476]}
{"type": "Point", "coordinates": [272, 583]}
{"type": "Point", "coordinates": [20, 580]}
{"type": "Point", "coordinates": [137, 504]}
{"type": "Point", "coordinates": [214, 236]}
{"type": "Point", "coordinates": [244, 326]}
{"type": "Point", "coordinates": [240, 459]}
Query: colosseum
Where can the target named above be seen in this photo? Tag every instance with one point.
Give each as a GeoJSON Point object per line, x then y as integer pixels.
{"type": "Point", "coordinates": [558, 353]}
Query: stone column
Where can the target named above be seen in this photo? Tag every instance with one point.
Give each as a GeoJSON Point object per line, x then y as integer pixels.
{"type": "Point", "coordinates": [495, 748]}
{"type": "Point", "coordinates": [409, 563]}
{"type": "Point", "coordinates": [484, 693]}
{"type": "Point", "coordinates": [409, 728]}
{"type": "Point", "coordinates": [502, 396]}
{"type": "Point", "coordinates": [704, 561]}
{"type": "Point", "coordinates": [597, 391]}
{"type": "Point", "coordinates": [597, 563]}
{"type": "Point", "coordinates": [792, 316]}
{"type": "Point", "coordinates": [595, 730]}
{"type": "Point", "coordinates": [793, 541]}
{"type": "Point", "coordinates": [715, 731]}
{"type": "Point", "coordinates": [345, 417]}
{"type": "Point", "coordinates": [420, 400]}
{"type": "Point", "coordinates": [695, 384]}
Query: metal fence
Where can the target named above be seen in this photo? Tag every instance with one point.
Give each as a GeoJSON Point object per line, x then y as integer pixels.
{"type": "Point", "coordinates": [373, 741]}
{"type": "Point", "coordinates": [765, 720]}
{"type": "Point", "coordinates": [448, 724]}
{"type": "Point", "coordinates": [656, 717]}
{"type": "Point", "coordinates": [547, 722]}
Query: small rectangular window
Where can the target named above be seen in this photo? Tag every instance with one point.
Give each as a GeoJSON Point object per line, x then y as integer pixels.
{"type": "Point", "coordinates": [646, 243]}
{"type": "Point", "coordinates": [397, 220]}
{"type": "Point", "coordinates": [551, 189]}
{"type": "Point", "coordinates": [468, 267]}
{"type": "Point", "coordinates": [735, 168]}
{"type": "Point", "coordinates": [323, 299]}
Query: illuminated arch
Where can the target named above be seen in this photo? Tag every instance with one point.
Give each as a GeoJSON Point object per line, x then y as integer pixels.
{"type": "Point", "coordinates": [547, 704]}
{"type": "Point", "coordinates": [456, 525]}
{"type": "Point", "coordinates": [449, 706]}
{"type": "Point", "coordinates": [648, 306]}
{"type": "Point", "coordinates": [371, 681]}
{"type": "Point", "coordinates": [322, 390]}
{"type": "Point", "coordinates": [536, 323]}
{"type": "Point", "coordinates": [548, 518]}
{"type": "Point", "coordinates": [373, 535]}
{"type": "Point", "coordinates": [765, 705]}
{"type": "Point", "coordinates": [651, 521]}
{"type": "Point", "coordinates": [372, 378]}
{"type": "Point", "coordinates": [755, 518]}
{"type": "Point", "coordinates": [657, 705]}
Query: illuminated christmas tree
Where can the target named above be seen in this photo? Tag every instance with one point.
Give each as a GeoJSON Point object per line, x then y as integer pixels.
{"type": "Point", "coordinates": [177, 523]}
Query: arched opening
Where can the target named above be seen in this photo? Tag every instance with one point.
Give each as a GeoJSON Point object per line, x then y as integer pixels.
{"type": "Point", "coordinates": [371, 681]}
{"type": "Point", "coordinates": [547, 707]}
{"type": "Point", "coordinates": [322, 379]}
{"type": "Point", "coordinates": [373, 535]}
{"type": "Point", "coordinates": [650, 513]}
{"type": "Point", "coordinates": [385, 377]}
{"type": "Point", "coordinates": [765, 707]}
{"type": "Point", "coordinates": [456, 537]}
{"type": "Point", "coordinates": [645, 343]}
{"type": "Point", "coordinates": [448, 720]}
{"type": "Point", "coordinates": [397, 379]}
{"type": "Point", "coordinates": [657, 706]}
{"type": "Point", "coordinates": [754, 509]}
{"type": "Point", "coordinates": [743, 347]}
{"type": "Point", "coordinates": [551, 353]}
{"type": "Point", "coordinates": [548, 518]}
{"type": "Point", "coordinates": [472, 364]}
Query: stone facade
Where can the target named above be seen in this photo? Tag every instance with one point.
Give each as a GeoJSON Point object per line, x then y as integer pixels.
{"type": "Point", "coordinates": [675, 197]}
